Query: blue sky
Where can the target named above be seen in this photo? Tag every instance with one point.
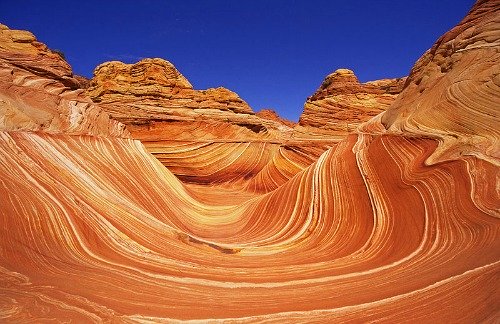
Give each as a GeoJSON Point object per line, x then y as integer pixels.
{"type": "Point", "coordinates": [273, 53]}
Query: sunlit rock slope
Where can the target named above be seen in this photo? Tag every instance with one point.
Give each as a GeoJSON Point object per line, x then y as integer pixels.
{"type": "Point", "coordinates": [342, 103]}
{"type": "Point", "coordinates": [152, 93]}
{"type": "Point", "coordinates": [38, 91]}
{"type": "Point", "coordinates": [398, 221]}
{"type": "Point", "coordinates": [202, 136]}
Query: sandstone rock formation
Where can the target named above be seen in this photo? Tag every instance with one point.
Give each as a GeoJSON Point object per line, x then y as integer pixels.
{"type": "Point", "coordinates": [160, 108]}
{"type": "Point", "coordinates": [153, 94]}
{"type": "Point", "coordinates": [453, 91]}
{"type": "Point", "coordinates": [83, 82]}
{"type": "Point", "coordinates": [39, 93]}
{"type": "Point", "coordinates": [376, 228]}
{"type": "Point", "coordinates": [342, 103]}
{"type": "Point", "coordinates": [272, 115]}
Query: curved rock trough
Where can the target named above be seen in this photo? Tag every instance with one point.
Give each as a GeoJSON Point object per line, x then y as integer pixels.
{"type": "Point", "coordinates": [135, 198]}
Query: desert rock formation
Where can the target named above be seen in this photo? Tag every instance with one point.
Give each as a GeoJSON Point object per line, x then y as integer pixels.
{"type": "Point", "coordinates": [453, 90]}
{"type": "Point", "coordinates": [175, 123]}
{"type": "Point", "coordinates": [153, 94]}
{"type": "Point", "coordinates": [342, 103]}
{"type": "Point", "coordinates": [272, 115]}
{"type": "Point", "coordinates": [396, 221]}
{"type": "Point", "coordinates": [39, 93]}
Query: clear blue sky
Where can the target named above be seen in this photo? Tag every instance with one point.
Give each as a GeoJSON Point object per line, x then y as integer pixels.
{"type": "Point", "coordinates": [273, 53]}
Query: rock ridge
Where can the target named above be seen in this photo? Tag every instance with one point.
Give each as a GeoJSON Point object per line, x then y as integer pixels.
{"type": "Point", "coordinates": [38, 91]}
{"type": "Point", "coordinates": [153, 93]}
{"type": "Point", "coordinates": [342, 103]}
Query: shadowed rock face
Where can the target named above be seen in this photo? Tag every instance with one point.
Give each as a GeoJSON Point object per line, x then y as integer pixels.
{"type": "Point", "coordinates": [342, 103]}
{"type": "Point", "coordinates": [83, 81]}
{"type": "Point", "coordinates": [393, 222]}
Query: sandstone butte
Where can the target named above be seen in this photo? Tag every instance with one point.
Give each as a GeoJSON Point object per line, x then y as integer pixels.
{"type": "Point", "coordinates": [152, 96]}
{"type": "Point", "coordinates": [396, 221]}
{"type": "Point", "coordinates": [342, 103]}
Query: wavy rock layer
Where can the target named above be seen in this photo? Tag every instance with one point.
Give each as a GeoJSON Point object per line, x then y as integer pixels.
{"type": "Point", "coordinates": [202, 136]}
{"type": "Point", "coordinates": [375, 228]}
{"type": "Point", "coordinates": [90, 247]}
{"type": "Point", "coordinates": [250, 166]}
{"type": "Point", "coordinates": [342, 103]}
{"type": "Point", "coordinates": [39, 93]}
{"type": "Point", "coordinates": [453, 91]}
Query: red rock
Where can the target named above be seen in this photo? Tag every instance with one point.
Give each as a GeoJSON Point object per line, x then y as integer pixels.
{"type": "Point", "coordinates": [39, 93]}
{"type": "Point", "coordinates": [272, 115]}
{"type": "Point", "coordinates": [376, 228]}
{"type": "Point", "coordinates": [342, 103]}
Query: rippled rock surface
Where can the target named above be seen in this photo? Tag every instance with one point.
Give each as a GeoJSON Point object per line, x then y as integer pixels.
{"type": "Point", "coordinates": [203, 136]}
{"type": "Point", "coordinates": [396, 222]}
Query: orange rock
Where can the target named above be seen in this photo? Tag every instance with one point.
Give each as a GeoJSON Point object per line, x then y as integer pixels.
{"type": "Point", "coordinates": [453, 91]}
{"type": "Point", "coordinates": [342, 103]}
{"type": "Point", "coordinates": [160, 108]}
{"type": "Point", "coordinates": [272, 115]}
{"type": "Point", "coordinates": [153, 90]}
{"type": "Point", "coordinates": [21, 49]}
{"type": "Point", "coordinates": [39, 93]}
{"type": "Point", "coordinates": [96, 229]}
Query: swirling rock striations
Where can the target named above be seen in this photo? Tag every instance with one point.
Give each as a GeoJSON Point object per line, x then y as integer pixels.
{"type": "Point", "coordinates": [342, 103]}
{"type": "Point", "coordinates": [39, 93]}
{"type": "Point", "coordinates": [203, 136]}
{"type": "Point", "coordinates": [453, 91]}
{"type": "Point", "coordinates": [359, 233]}
{"type": "Point", "coordinates": [249, 166]}
{"type": "Point", "coordinates": [94, 228]}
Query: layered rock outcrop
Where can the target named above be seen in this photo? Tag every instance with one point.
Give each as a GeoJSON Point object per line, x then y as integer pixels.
{"type": "Point", "coordinates": [39, 93]}
{"type": "Point", "coordinates": [153, 94]}
{"type": "Point", "coordinates": [342, 103]}
{"type": "Point", "coordinates": [453, 91]}
{"type": "Point", "coordinates": [272, 115]}
{"type": "Point", "coordinates": [160, 108]}
{"type": "Point", "coordinates": [94, 228]}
